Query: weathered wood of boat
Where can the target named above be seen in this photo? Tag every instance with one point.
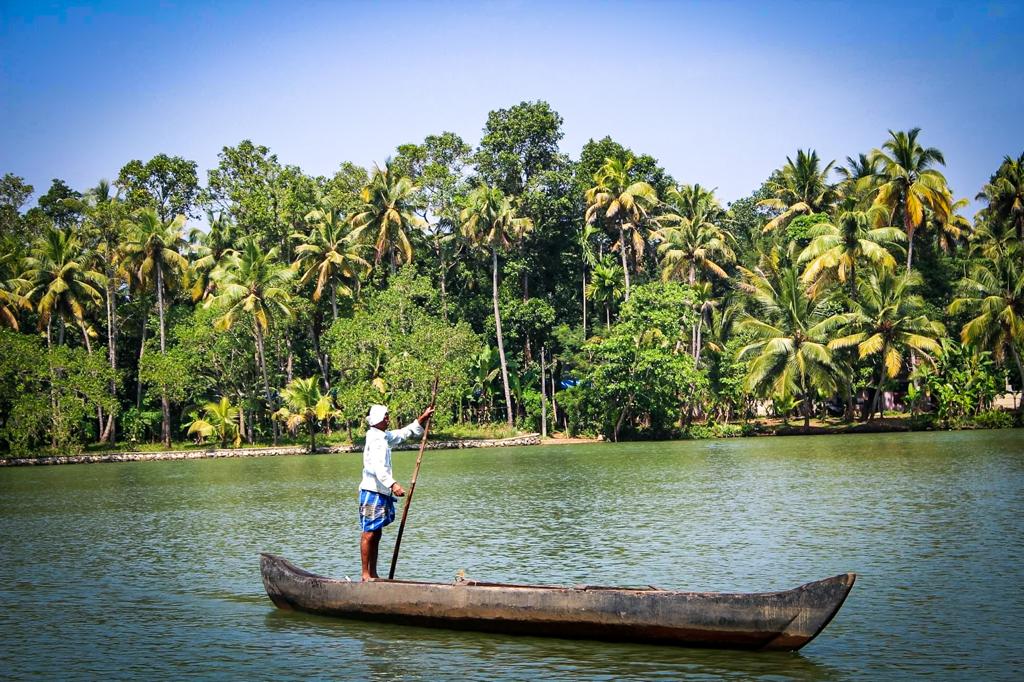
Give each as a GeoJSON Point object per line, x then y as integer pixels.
{"type": "Point", "coordinates": [769, 621]}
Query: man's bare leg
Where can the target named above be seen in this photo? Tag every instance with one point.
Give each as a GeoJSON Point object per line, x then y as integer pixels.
{"type": "Point", "coordinates": [368, 546]}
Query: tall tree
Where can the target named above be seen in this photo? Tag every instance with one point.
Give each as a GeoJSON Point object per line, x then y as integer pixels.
{"type": "Point", "coordinates": [799, 187]}
{"type": "Point", "coordinates": [623, 205]}
{"type": "Point", "coordinates": [1004, 194]}
{"type": "Point", "coordinates": [789, 350]}
{"type": "Point", "coordinates": [837, 247]}
{"type": "Point", "coordinates": [328, 256]}
{"type": "Point", "coordinates": [246, 184]}
{"type": "Point", "coordinates": [994, 290]}
{"type": "Point", "coordinates": [156, 251]}
{"type": "Point", "coordinates": [387, 215]}
{"type": "Point", "coordinates": [605, 286]}
{"type": "Point", "coordinates": [60, 204]}
{"type": "Point", "coordinates": [909, 184]}
{"type": "Point", "coordinates": [518, 143]}
{"type": "Point", "coordinates": [60, 283]}
{"type": "Point", "coordinates": [489, 222]}
{"type": "Point", "coordinates": [167, 184]}
{"type": "Point", "coordinates": [888, 322]}
{"type": "Point", "coordinates": [254, 282]}
{"type": "Point", "coordinates": [691, 239]}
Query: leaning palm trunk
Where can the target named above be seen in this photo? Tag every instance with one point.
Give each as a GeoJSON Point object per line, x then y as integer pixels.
{"type": "Point", "coordinates": [501, 340]}
{"type": "Point", "coordinates": [910, 228]}
{"type": "Point", "coordinates": [109, 433]}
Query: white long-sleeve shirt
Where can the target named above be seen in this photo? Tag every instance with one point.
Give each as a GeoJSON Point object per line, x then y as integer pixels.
{"type": "Point", "coordinates": [377, 456]}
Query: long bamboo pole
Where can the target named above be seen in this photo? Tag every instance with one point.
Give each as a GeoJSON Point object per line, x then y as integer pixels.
{"type": "Point", "coordinates": [412, 486]}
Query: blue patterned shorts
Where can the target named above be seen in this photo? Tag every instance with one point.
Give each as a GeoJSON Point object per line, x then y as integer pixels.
{"type": "Point", "coordinates": [375, 510]}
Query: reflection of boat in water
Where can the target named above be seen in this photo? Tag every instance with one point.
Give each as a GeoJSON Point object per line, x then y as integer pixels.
{"type": "Point", "coordinates": [769, 621]}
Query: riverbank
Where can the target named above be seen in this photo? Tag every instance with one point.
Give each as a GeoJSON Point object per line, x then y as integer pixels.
{"type": "Point", "coordinates": [215, 453]}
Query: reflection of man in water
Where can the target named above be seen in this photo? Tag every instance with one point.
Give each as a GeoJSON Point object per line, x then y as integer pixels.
{"type": "Point", "coordinates": [376, 504]}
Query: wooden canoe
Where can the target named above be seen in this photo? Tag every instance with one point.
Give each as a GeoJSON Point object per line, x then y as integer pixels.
{"type": "Point", "coordinates": [768, 621]}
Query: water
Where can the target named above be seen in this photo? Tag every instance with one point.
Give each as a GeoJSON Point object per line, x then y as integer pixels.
{"type": "Point", "coordinates": [150, 570]}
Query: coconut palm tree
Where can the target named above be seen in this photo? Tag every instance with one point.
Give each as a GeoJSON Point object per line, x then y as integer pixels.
{"type": "Point", "coordinates": [587, 234]}
{"type": "Point", "coordinates": [155, 255]}
{"type": "Point", "coordinates": [857, 181]}
{"type": "Point", "coordinates": [253, 282]}
{"type": "Point", "coordinates": [12, 284]}
{"type": "Point", "coordinates": [606, 286]}
{"type": "Point", "coordinates": [908, 183]}
{"type": "Point", "coordinates": [329, 256]}
{"type": "Point", "coordinates": [305, 404]}
{"type": "Point", "coordinates": [691, 241]}
{"type": "Point", "coordinates": [951, 228]}
{"type": "Point", "coordinates": [790, 332]}
{"type": "Point", "coordinates": [994, 290]}
{"type": "Point", "coordinates": [799, 187]}
{"type": "Point", "coordinates": [1005, 195]}
{"type": "Point", "coordinates": [888, 322]}
{"type": "Point", "coordinates": [209, 250]}
{"type": "Point", "coordinates": [623, 204]}
{"type": "Point", "coordinates": [837, 247]}
{"type": "Point", "coordinates": [388, 215]}
{"type": "Point", "coordinates": [489, 222]}
{"type": "Point", "coordinates": [220, 420]}
{"type": "Point", "coordinates": [60, 283]}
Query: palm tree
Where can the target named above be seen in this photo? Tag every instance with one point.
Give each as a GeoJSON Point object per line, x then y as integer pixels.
{"type": "Point", "coordinates": [12, 284]}
{"type": "Point", "coordinates": [388, 215]}
{"type": "Point", "coordinates": [155, 251]}
{"type": "Point", "coordinates": [799, 187]}
{"type": "Point", "coordinates": [220, 420]}
{"type": "Point", "coordinates": [994, 290]}
{"type": "Point", "coordinates": [952, 228]}
{"type": "Point", "coordinates": [253, 281]}
{"type": "Point", "coordinates": [489, 222]}
{"type": "Point", "coordinates": [1005, 195]}
{"type": "Point", "coordinates": [690, 239]}
{"type": "Point", "coordinates": [606, 286]}
{"type": "Point", "coordinates": [304, 404]}
{"type": "Point", "coordinates": [59, 283]}
{"type": "Point", "coordinates": [889, 323]}
{"type": "Point", "coordinates": [790, 335]}
{"type": "Point", "coordinates": [329, 256]}
{"type": "Point", "coordinates": [210, 249]}
{"type": "Point", "coordinates": [623, 204]}
{"type": "Point", "coordinates": [836, 248]}
{"type": "Point", "coordinates": [908, 184]}
{"type": "Point", "coordinates": [858, 179]}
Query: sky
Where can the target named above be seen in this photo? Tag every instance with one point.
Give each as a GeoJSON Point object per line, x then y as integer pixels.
{"type": "Point", "coordinates": [719, 92]}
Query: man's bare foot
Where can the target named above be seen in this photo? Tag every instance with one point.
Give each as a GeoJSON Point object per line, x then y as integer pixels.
{"type": "Point", "coordinates": [370, 578]}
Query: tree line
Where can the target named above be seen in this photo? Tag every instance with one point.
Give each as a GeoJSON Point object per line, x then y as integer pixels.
{"type": "Point", "coordinates": [595, 294]}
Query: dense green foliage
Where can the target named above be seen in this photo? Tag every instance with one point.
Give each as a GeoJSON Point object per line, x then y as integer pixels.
{"type": "Point", "coordinates": [656, 311]}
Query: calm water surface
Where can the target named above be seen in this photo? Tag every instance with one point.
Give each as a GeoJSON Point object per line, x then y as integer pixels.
{"type": "Point", "coordinates": [150, 570]}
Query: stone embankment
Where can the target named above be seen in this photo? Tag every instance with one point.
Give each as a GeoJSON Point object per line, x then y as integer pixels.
{"type": "Point", "coordinates": [526, 439]}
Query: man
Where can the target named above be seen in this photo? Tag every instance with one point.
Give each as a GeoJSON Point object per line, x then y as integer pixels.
{"type": "Point", "coordinates": [376, 504]}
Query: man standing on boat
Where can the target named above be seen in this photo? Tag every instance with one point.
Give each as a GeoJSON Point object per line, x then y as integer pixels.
{"type": "Point", "coordinates": [378, 489]}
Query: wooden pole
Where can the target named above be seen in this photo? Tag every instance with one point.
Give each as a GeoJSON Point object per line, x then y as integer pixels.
{"type": "Point", "coordinates": [412, 486]}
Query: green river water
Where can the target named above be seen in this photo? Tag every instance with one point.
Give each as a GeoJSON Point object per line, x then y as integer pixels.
{"type": "Point", "coordinates": [151, 570]}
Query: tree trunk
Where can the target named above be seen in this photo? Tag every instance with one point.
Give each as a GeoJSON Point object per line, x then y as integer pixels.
{"type": "Point", "coordinates": [543, 397]}
{"type": "Point", "coordinates": [625, 262]}
{"type": "Point", "coordinates": [910, 228]}
{"type": "Point", "coordinates": [1020, 373]}
{"type": "Point", "coordinates": [584, 298]}
{"type": "Point", "coordinates": [266, 381]}
{"type": "Point", "coordinates": [334, 300]}
{"type": "Point", "coordinates": [110, 432]}
{"type": "Point", "coordinates": [142, 350]}
{"type": "Point", "coordinates": [501, 340]}
{"type": "Point", "coordinates": [312, 436]}
{"type": "Point", "coordinates": [875, 406]}
{"type": "Point", "coordinates": [607, 316]}
{"type": "Point", "coordinates": [165, 403]}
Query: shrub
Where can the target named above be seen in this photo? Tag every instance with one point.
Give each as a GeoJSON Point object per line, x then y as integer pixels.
{"type": "Point", "coordinates": [994, 419]}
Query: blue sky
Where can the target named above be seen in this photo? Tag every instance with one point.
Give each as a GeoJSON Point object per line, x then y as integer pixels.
{"type": "Point", "coordinates": [719, 92]}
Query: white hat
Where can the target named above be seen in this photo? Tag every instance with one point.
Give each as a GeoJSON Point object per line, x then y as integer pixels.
{"type": "Point", "coordinates": [377, 414]}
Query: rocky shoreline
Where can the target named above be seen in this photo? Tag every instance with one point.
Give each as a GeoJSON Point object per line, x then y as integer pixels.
{"type": "Point", "coordinates": [214, 453]}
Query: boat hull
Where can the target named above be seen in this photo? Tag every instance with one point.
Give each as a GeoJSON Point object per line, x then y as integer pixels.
{"type": "Point", "coordinates": [770, 621]}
